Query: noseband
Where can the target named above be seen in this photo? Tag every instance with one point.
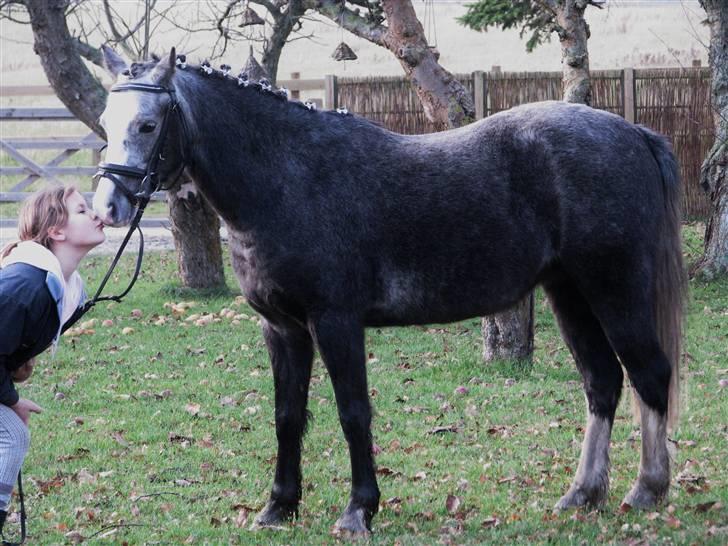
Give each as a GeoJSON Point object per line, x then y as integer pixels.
{"type": "Point", "coordinates": [149, 177]}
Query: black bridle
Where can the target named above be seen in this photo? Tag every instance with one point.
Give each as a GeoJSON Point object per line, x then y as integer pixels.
{"type": "Point", "coordinates": [149, 181]}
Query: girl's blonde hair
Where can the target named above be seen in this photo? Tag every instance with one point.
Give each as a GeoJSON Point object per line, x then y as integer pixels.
{"type": "Point", "coordinates": [43, 210]}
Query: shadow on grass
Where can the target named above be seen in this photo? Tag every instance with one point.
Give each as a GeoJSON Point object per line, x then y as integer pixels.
{"type": "Point", "coordinates": [515, 369]}
{"type": "Point", "coordinates": [176, 290]}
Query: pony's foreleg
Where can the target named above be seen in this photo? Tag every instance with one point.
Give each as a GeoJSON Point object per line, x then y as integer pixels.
{"type": "Point", "coordinates": [602, 383]}
{"type": "Point", "coordinates": [291, 355]}
{"type": "Point", "coordinates": [340, 340]}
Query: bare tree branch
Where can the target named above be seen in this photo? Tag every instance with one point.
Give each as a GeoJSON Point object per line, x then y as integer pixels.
{"type": "Point", "coordinates": [11, 9]}
{"type": "Point", "coordinates": [122, 39]}
{"type": "Point", "coordinates": [350, 20]}
{"type": "Point", "coordinates": [90, 53]}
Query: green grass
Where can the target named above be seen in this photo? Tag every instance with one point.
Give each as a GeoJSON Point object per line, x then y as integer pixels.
{"type": "Point", "coordinates": [120, 452]}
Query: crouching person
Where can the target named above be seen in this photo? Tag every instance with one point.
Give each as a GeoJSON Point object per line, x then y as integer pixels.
{"type": "Point", "coordinates": [40, 293]}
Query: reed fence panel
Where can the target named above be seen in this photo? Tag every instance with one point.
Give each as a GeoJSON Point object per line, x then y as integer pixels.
{"type": "Point", "coordinates": [676, 103]}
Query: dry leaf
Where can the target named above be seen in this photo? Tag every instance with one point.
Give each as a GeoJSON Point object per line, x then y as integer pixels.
{"type": "Point", "coordinates": [74, 537]}
{"type": "Point", "coordinates": [452, 503]}
{"type": "Point", "coordinates": [192, 409]}
{"type": "Point", "coordinates": [241, 520]}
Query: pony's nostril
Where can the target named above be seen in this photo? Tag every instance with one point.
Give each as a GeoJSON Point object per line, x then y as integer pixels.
{"type": "Point", "coordinates": [112, 212]}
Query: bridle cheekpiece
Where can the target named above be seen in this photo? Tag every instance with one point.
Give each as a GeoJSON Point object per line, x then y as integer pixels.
{"type": "Point", "coordinates": [149, 177]}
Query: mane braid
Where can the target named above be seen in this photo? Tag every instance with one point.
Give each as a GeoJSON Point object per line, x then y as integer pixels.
{"type": "Point", "coordinates": [140, 68]}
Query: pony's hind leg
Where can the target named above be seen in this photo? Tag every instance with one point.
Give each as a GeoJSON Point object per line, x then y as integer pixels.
{"type": "Point", "coordinates": [630, 327]}
{"type": "Point", "coordinates": [291, 356]}
{"type": "Point", "coordinates": [602, 376]}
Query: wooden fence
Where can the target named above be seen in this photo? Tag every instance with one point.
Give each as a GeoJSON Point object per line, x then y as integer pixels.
{"type": "Point", "coordinates": [674, 102]}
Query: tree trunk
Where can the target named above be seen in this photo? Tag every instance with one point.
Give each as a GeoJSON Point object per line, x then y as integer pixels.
{"type": "Point", "coordinates": [72, 82]}
{"type": "Point", "coordinates": [199, 252]}
{"type": "Point", "coordinates": [445, 100]}
{"type": "Point", "coordinates": [713, 172]}
{"type": "Point", "coordinates": [509, 335]}
{"type": "Point", "coordinates": [282, 27]}
{"type": "Point", "coordinates": [83, 95]}
{"type": "Point", "coordinates": [573, 34]}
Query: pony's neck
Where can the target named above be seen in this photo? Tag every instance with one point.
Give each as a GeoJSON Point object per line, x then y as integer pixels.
{"type": "Point", "coordinates": [236, 144]}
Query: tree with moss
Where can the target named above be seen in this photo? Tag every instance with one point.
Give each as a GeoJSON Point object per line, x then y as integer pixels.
{"type": "Point", "coordinates": [714, 261]}
{"type": "Point", "coordinates": [538, 19]}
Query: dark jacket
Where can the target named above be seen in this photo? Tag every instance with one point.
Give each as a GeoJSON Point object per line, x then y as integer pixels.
{"type": "Point", "coordinates": [29, 321]}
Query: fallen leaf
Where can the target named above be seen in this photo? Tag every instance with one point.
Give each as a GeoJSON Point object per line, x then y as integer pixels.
{"type": "Point", "coordinates": [705, 506]}
{"type": "Point", "coordinates": [673, 522]}
{"type": "Point", "coordinates": [241, 520]}
{"type": "Point", "coordinates": [452, 503]}
{"type": "Point", "coordinates": [192, 409]}
{"type": "Point", "coordinates": [119, 439]}
{"type": "Point", "coordinates": [447, 428]}
{"type": "Point", "coordinates": [74, 537]}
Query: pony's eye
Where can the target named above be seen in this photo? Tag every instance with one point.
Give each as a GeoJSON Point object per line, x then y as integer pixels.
{"type": "Point", "coordinates": [147, 127]}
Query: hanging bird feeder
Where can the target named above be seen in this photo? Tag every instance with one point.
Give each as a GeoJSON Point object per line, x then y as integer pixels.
{"type": "Point", "coordinates": [344, 53]}
{"type": "Point", "coordinates": [253, 69]}
{"type": "Point", "coordinates": [250, 18]}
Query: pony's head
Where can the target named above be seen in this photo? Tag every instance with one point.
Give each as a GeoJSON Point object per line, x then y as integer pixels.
{"type": "Point", "coordinates": [137, 135]}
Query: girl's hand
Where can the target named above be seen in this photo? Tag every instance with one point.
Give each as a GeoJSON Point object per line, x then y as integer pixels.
{"type": "Point", "coordinates": [24, 372]}
{"type": "Point", "coordinates": [24, 408]}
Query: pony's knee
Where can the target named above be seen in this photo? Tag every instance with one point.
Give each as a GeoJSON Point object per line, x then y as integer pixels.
{"type": "Point", "coordinates": [291, 423]}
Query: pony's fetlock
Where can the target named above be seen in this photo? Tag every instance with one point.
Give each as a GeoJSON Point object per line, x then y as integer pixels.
{"type": "Point", "coordinates": [581, 495]}
{"type": "Point", "coordinates": [355, 522]}
{"type": "Point", "coordinates": [275, 514]}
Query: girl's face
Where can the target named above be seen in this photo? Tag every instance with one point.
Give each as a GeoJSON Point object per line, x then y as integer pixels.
{"type": "Point", "coordinates": [83, 228]}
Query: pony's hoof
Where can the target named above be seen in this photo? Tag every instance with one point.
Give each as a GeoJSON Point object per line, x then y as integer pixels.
{"type": "Point", "coordinates": [274, 516]}
{"type": "Point", "coordinates": [353, 524]}
{"type": "Point", "coordinates": [642, 497]}
{"type": "Point", "coordinates": [577, 497]}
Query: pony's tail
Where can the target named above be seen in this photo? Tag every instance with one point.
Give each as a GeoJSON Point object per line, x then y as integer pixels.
{"type": "Point", "coordinates": [671, 279]}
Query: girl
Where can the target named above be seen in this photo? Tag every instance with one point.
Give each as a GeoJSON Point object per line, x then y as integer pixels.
{"type": "Point", "coordinates": [40, 292]}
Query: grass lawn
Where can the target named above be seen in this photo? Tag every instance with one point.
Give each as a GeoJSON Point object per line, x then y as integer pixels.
{"type": "Point", "coordinates": [160, 431]}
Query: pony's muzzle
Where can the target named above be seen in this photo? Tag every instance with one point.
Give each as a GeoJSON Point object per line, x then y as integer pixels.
{"type": "Point", "coordinates": [111, 205]}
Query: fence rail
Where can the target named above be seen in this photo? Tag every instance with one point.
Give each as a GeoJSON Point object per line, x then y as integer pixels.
{"type": "Point", "coordinates": [674, 102]}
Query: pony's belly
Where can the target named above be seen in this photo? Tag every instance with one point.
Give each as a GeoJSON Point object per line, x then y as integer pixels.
{"type": "Point", "coordinates": [400, 305]}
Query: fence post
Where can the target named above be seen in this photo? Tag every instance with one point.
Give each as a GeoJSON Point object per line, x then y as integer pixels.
{"type": "Point", "coordinates": [331, 92]}
{"type": "Point", "coordinates": [628, 94]}
{"type": "Point", "coordinates": [479, 93]}
{"type": "Point", "coordinates": [295, 93]}
{"type": "Point", "coordinates": [95, 160]}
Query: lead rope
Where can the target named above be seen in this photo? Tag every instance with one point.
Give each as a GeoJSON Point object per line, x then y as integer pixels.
{"type": "Point", "coordinates": [98, 297]}
{"type": "Point", "coordinates": [22, 516]}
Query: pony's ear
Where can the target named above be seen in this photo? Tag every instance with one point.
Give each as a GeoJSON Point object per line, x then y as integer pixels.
{"type": "Point", "coordinates": [113, 63]}
{"type": "Point", "coordinates": [163, 72]}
